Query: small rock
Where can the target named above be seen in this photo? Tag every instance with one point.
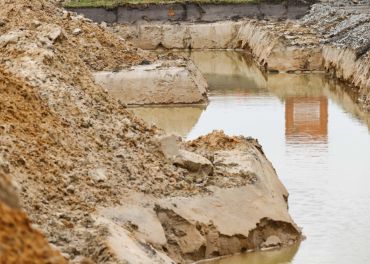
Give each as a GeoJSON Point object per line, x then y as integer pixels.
{"type": "Point", "coordinates": [194, 162]}
{"type": "Point", "coordinates": [77, 31]}
{"type": "Point", "coordinates": [54, 33]}
{"type": "Point", "coordinates": [98, 175]}
{"type": "Point", "coordinates": [271, 241]}
{"type": "Point", "coordinates": [4, 165]}
{"type": "Point", "coordinates": [103, 24]}
{"type": "Point", "coordinates": [66, 14]}
{"type": "Point", "coordinates": [66, 255]}
{"type": "Point", "coordinates": [144, 62]}
{"type": "Point", "coordinates": [36, 23]}
{"type": "Point", "coordinates": [70, 189]}
{"type": "Point", "coordinates": [10, 38]}
{"type": "Point", "coordinates": [82, 260]}
{"type": "Point", "coordinates": [169, 147]}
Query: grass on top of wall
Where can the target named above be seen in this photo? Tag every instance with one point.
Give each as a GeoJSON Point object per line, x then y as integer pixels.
{"type": "Point", "coordinates": [115, 3]}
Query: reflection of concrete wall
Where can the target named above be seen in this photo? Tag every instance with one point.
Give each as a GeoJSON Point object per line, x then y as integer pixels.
{"type": "Point", "coordinates": [227, 69]}
{"type": "Point", "coordinates": [284, 85]}
{"type": "Point", "coordinates": [291, 85]}
{"type": "Point", "coordinates": [177, 120]}
{"type": "Point", "coordinates": [307, 117]}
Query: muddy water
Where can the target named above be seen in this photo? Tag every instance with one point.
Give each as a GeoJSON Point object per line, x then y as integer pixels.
{"type": "Point", "coordinates": [317, 139]}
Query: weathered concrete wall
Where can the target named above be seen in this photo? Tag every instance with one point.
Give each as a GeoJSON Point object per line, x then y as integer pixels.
{"type": "Point", "coordinates": [197, 12]}
{"type": "Point", "coordinates": [176, 82]}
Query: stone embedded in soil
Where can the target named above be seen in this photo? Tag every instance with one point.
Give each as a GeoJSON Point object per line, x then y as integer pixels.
{"type": "Point", "coordinates": [193, 162]}
{"type": "Point", "coordinates": [169, 146]}
{"type": "Point", "coordinates": [98, 175]}
{"type": "Point", "coordinates": [186, 159]}
{"type": "Point", "coordinates": [271, 241]}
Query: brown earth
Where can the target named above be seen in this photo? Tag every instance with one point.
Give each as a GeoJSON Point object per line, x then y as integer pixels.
{"type": "Point", "coordinates": [20, 243]}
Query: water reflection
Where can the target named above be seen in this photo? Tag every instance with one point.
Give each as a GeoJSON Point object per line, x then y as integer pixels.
{"type": "Point", "coordinates": [284, 255]}
{"type": "Point", "coordinates": [315, 135]}
{"type": "Point", "coordinates": [228, 69]}
{"type": "Point", "coordinates": [306, 119]}
{"type": "Point", "coordinates": [175, 120]}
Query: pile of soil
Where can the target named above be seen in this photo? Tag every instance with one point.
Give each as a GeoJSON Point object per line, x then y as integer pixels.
{"type": "Point", "coordinates": [65, 142]}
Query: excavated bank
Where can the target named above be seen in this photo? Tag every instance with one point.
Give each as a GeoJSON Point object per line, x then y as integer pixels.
{"type": "Point", "coordinates": [274, 45]}
{"type": "Point", "coordinates": [250, 214]}
{"type": "Point", "coordinates": [163, 82]}
{"type": "Point", "coordinates": [344, 28]}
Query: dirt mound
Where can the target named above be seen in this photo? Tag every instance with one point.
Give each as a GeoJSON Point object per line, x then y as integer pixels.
{"type": "Point", "coordinates": [66, 143]}
{"type": "Point", "coordinates": [98, 48]}
{"type": "Point", "coordinates": [217, 140]}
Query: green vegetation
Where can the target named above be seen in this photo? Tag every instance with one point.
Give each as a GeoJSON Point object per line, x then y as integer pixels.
{"type": "Point", "coordinates": [115, 3]}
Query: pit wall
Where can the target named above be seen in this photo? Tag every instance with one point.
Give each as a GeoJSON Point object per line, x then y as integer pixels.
{"type": "Point", "coordinates": [344, 65]}
{"type": "Point", "coordinates": [271, 51]}
{"type": "Point", "coordinates": [196, 12]}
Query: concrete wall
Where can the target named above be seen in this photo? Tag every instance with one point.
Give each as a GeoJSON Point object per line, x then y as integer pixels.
{"type": "Point", "coordinates": [195, 12]}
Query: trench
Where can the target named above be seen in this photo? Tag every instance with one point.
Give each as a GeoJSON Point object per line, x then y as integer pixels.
{"type": "Point", "coordinates": [313, 132]}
